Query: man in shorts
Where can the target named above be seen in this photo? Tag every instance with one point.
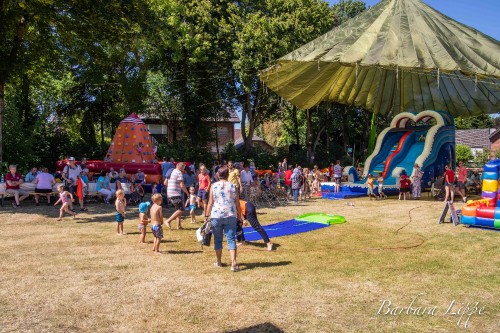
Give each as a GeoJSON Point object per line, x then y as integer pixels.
{"type": "Point", "coordinates": [71, 173]}
{"type": "Point", "coordinates": [462, 180]}
{"type": "Point", "coordinates": [204, 183]}
{"type": "Point", "coordinates": [13, 182]}
{"type": "Point", "coordinates": [175, 186]}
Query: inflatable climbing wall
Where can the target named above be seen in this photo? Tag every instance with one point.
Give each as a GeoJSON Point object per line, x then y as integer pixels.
{"type": "Point", "coordinates": [131, 143]}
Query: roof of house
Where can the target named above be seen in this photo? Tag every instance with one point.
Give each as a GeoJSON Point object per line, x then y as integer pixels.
{"type": "Point", "coordinates": [232, 118]}
{"type": "Point", "coordinates": [494, 133]}
{"type": "Point", "coordinates": [238, 138]}
{"type": "Point", "coordinates": [474, 138]}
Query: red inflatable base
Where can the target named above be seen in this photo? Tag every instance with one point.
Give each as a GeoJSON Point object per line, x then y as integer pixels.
{"type": "Point", "coordinates": [152, 171]}
{"type": "Point", "coordinates": [130, 168]}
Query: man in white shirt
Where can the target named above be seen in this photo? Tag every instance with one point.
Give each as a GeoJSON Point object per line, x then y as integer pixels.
{"type": "Point", "coordinates": [175, 187]}
{"type": "Point", "coordinates": [246, 181]}
{"type": "Point", "coordinates": [71, 173]}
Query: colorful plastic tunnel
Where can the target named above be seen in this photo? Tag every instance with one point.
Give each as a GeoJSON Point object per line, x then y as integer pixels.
{"type": "Point", "coordinates": [485, 212]}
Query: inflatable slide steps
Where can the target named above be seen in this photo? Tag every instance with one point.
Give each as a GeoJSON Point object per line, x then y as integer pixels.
{"type": "Point", "coordinates": [485, 212]}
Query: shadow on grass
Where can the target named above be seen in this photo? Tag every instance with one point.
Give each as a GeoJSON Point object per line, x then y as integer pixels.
{"type": "Point", "coordinates": [260, 244]}
{"type": "Point", "coordinates": [183, 252]}
{"type": "Point", "coordinates": [263, 264]}
{"type": "Point", "coordinates": [483, 228]}
{"type": "Point", "coordinates": [265, 327]}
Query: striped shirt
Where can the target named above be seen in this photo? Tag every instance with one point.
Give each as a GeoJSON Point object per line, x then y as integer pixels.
{"type": "Point", "coordinates": [174, 184]}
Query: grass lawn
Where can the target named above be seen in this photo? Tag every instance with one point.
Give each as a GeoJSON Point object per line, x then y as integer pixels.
{"type": "Point", "coordinates": [79, 276]}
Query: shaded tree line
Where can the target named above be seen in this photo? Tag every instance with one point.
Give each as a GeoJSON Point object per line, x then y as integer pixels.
{"type": "Point", "coordinates": [71, 70]}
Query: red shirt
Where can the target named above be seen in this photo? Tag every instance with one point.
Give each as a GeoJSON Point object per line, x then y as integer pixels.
{"type": "Point", "coordinates": [203, 181]}
{"type": "Point", "coordinates": [12, 178]}
{"type": "Point", "coordinates": [450, 174]}
{"type": "Point", "coordinates": [288, 177]}
{"type": "Point", "coordinates": [405, 183]}
{"type": "Point", "coordinates": [462, 174]}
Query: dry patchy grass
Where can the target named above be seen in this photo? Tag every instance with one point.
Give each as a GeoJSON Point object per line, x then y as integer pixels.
{"type": "Point", "coordinates": [81, 277]}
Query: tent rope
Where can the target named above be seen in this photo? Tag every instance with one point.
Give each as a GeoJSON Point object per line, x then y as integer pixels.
{"type": "Point", "coordinates": [356, 75]}
{"type": "Point", "coordinates": [438, 78]}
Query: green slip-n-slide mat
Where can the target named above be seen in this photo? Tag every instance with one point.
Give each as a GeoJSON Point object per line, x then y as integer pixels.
{"type": "Point", "coordinates": [321, 218]}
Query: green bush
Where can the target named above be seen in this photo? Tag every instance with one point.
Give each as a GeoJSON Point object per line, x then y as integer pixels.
{"type": "Point", "coordinates": [463, 153]}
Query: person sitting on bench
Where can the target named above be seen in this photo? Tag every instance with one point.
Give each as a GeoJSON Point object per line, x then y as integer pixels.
{"type": "Point", "coordinates": [44, 184]}
{"type": "Point", "coordinates": [13, 182]}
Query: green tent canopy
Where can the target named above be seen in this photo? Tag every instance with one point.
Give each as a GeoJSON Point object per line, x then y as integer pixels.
{"type": "Point", "coordinates": [400, 55]}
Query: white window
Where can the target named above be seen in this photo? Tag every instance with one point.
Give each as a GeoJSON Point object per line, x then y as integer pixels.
{"type": "Point", "coordinates": [223, 132]}
{"type": "Point", "coordinates": [158, 129]}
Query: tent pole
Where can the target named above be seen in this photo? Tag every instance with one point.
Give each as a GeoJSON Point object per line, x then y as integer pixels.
{"type": "Point", "coordinates": [373, 134]}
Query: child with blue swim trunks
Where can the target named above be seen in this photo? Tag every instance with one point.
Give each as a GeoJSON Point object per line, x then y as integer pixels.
{"type": "Point", "coordinates": [120, 205]}
{"type": "Point", "coordinates": [156, 221]}
{"type": "Point", "coordinates": [191, 201]}
{"type": "Point", "coordinates": [143, 220]}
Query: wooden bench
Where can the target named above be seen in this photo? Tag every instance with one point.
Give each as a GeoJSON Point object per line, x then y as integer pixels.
{"type": "Point", "coordinates": [28, 187]}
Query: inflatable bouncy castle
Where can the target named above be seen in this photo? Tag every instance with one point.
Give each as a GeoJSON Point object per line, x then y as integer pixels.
{"type": "Point", "coordinates": [426, 138]}
{"type": "Point", "coordinates": [485, 212]}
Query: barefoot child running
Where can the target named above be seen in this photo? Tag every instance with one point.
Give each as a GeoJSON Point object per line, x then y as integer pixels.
{"type": "Point", "coordinates": [120, 205]}
{"type": "Point", "coordinates": [156, 222]}
{"type": "Point", "coordinates": [143, 220]}
{"type": "Point", "coordinates": [65, 198]}
{"type": "Point", "coordinates": [191, 201]}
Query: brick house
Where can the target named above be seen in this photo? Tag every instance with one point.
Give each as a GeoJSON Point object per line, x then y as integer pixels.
{"type": "Point", "coordinates": [224, 130]}
{"type": "Point", "coordinates": [478, 139]}
{"type": "Point", "coordinates": [495, 141]}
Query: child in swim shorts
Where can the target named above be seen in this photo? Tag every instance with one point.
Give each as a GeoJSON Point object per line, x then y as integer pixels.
{"type": "Point", "coordinates": [156, 222]}
{"type": "Point", "coordinates": [191, 201]}
{"type": "Point", "coordinates": [143, 220]}
{"type": "Point", "coordinates": [120, 205]}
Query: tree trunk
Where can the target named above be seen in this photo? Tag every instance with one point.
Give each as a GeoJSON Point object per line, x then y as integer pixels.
{"type": "Point", "coordinates": [249, 143]}
{"type": "Point", "coordinates": [345, 129]}
{"type": "Point", "coordinates": [295, 125]}
{"type": "Point", "coordinates": [318, 137]}
{"type": "Point", "coordinates": [2, 108]}
{"type": "Point", "coordinates": [310, 153]}
{"type": "Point", "coordinates": [102, 128]}
{"type": "Point", "coordinates": [26, 114]}
{"type": "Point", "coordinates": [247, 112]}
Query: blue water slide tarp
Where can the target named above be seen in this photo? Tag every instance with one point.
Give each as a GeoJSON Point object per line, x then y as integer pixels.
{"type": "Point", "coordinates": [284, 228]}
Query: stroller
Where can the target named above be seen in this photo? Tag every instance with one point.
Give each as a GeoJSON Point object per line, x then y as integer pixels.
{"type": "Point", "coordinates": [439, 196]}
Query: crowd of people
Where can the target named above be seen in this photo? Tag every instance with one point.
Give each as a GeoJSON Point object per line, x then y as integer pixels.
{"type": "Point", "coordinates": [223, 193]}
